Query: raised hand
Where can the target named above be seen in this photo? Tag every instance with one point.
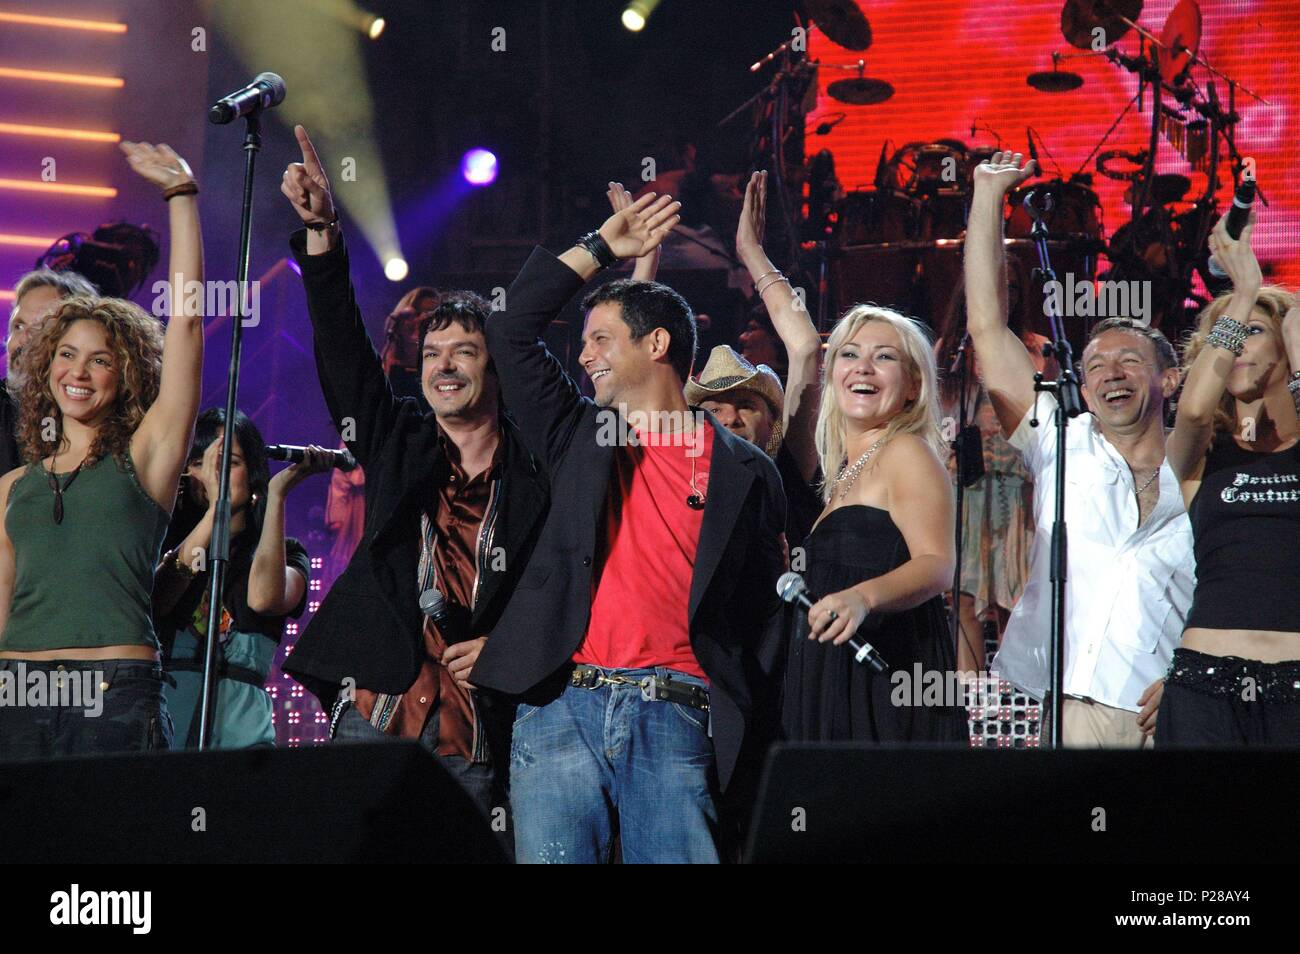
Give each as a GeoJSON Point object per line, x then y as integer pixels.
{"type": "Point", "coordinates": [1237, 257]}
{"type": "Point", "coordinates": [1003, 172]}
{"type": "Point", "coordinates": [646, 265]}
{"type": "Point", "coordinates": [753, 215]}
{"type": "Point", "coordinates": [639, 229]}
{"type": "Point", "coordinates": [159, 164]}
{"type": "Point", "coordinates": [306, 185]}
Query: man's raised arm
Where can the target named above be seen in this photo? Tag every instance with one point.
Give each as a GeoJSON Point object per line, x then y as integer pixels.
{"type": "Point", "coordinates": [539, 395]}
{"type": "Point", "coordinates": [1005, 366]}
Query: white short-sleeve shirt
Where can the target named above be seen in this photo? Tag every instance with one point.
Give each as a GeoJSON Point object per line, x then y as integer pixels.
{"type": "Point", "coordinates": [1128, 588]}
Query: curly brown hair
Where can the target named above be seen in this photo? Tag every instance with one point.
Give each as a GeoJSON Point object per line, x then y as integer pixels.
{"type": "Point", "coordinates": [1274, 301]}
{"type": "Point", "coordinates": [136, 339]}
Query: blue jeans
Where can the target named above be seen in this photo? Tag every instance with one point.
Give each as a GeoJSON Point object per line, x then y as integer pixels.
{"type": "Point", "coordinates": [596, 757]}
{"type": "Point", "coordinates": [476, 779]}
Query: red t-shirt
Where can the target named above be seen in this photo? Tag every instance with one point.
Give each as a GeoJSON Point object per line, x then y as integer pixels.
{"type": "Point", "coordinates": [641, 589]}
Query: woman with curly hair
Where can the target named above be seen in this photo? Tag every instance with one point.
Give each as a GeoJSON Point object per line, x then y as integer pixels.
{"type": "Point", "coordinates": [105, 419]}
{"type": "Point", "coordinates": [1235, 680]}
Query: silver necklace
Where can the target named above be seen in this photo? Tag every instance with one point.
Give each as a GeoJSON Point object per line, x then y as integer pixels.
{"type": "Point", "coordinates": [850, 473]}
{"type": "Point", "coordinates": [1149, 480]}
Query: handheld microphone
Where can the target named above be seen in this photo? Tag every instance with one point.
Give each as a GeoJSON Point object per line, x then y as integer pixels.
{"type": "Point", "coordinates": [790, 587]}
{"type": "Point", "coordinates": [434, 605]}
{"type": "Point", "coordinates": [341, 459]}
{"type": "Point", "coordinates": [266, 91]}
{"type": "Point", "coordinates": [1033, 150]}
{"type": "Point", "coordinates": [1238, 216]}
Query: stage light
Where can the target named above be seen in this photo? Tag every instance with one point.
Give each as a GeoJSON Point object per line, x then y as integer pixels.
{"type": "Point", "coordinates": [26, 241]}
{"type": "Point", "coordinates": [479, 167]}
{"type": "Point", "coordinates": [395, 269]}
{"type": "Point", "coordinates": [66, 23]}
{"type": "Point", "coordinates": [7, 294]}
{"type": "Point", "coordinates": [636, 13]}
{"type": "Point", "coordinates": [376, 27]}
{"type": "Point", "coordinates": [77, 79]}
{"type": "Point", "coordinates": [26, 185]}
{"type": "Point", "coordinates": [56, 132]}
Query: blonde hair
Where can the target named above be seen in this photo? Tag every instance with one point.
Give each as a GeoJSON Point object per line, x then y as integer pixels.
{"type": "Point", "coordinates": [919, 417]}
{"type": "Point", "coordinates": [1274, 302]}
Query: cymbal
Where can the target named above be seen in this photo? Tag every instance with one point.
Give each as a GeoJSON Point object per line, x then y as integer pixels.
{"type": "Point", "coordinates": [1181, 37]}
{"type": "Point", "coordinates": [842, 22]}
{"type": "Point", "coordinates": [863, 91]}
{"type": "Point", "coordinates": [1054, 81]}
{"type": "Point", "coordinates": [1080, 17]}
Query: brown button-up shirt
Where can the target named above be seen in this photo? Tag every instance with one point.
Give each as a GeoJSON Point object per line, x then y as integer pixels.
{"type": "Point", "coordinates": [459, 507]}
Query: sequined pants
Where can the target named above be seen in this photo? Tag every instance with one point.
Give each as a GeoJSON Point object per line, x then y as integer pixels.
{"type": "Point", "coordinates": [1228, 701]}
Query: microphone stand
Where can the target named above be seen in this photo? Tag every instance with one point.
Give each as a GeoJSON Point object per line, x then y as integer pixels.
{"type": "Point", "coordinates": [219, 555]}
{"type": "Point", "coordinates": [961, 450]}
{"type": "Point", "coordinates": [1069, 404]}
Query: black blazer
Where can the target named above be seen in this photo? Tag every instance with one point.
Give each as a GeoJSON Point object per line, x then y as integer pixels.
{"type": "Point", "coordinates": [732, 591]}
{"type": "Point", "coordinates": [369, 627]}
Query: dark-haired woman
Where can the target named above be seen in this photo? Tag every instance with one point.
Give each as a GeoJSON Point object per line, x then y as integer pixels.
{"type": "Point", "coordinates": [265, 582]}
{"type": "Point", "coordinates": [105, 417]}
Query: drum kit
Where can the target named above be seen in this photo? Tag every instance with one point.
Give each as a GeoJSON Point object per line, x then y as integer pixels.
{"type": "Point", "coordinates": [898, 242]}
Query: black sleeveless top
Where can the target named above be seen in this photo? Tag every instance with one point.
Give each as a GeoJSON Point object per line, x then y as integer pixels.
{"type": "Point", "coordinates": [1246, 527]}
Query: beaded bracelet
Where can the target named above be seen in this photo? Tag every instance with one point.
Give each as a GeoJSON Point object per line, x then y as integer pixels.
{"type": "Point", "coordinates": [1227, 334]}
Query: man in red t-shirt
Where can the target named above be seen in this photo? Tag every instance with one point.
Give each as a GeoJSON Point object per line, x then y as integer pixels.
{"type": "Point", "coordinates": [632, 633]}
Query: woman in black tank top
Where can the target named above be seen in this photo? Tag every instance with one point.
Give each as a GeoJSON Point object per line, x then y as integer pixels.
{"type": "Point", "coordinates": [1236, 678]}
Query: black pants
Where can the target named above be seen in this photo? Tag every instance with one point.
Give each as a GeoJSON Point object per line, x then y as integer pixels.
{"type": "Point", "coordinates": [83, 707]}
{"type": "Point", "coordinates": [1228, 701]}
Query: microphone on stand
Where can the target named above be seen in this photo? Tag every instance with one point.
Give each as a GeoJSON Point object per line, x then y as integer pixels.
{"type": "Point", "coordinates": [265, 92]}
{"type": "Point", "coordinates": [341, 459]}
{"type": "Point", "coordinates": [790, 587]}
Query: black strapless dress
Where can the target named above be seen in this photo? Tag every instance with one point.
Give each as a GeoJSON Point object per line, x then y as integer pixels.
{"type": "Point", "coordinates": [828, 696]}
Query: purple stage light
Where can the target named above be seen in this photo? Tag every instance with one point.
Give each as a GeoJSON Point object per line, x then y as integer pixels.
{"type": "Point", "coordinates": [479, 167]}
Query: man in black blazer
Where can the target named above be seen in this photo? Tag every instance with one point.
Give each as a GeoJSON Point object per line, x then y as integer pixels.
{"type": "Point", "coordinates": [453, 502]}
{"type": "Point", "coordinates": [630, 637]}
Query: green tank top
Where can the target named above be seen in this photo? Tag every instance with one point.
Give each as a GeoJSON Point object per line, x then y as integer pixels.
{"type": "Point", "coordinates": [88, 581]}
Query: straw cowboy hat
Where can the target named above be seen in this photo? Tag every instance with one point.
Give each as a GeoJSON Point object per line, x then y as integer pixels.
{"type": "Point", "coordinates": [725, 373]}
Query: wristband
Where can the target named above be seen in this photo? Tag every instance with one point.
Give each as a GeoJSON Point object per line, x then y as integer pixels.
{"type": "Point", "coordinates": [1227, 334]}
{"type": "Point", "coordinates": [320, 225]}
{"type": "Point", "coordinates": [185, 188]}
{"type": "Point", "coordinates": [598, 249]}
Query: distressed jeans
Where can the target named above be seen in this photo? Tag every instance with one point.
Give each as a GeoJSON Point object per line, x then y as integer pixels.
{"type": "Point", "coordinates": [598, 761]}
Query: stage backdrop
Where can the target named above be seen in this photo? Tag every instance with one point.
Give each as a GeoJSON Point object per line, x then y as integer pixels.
{"type": "Point", "coordinates": [959, 63]}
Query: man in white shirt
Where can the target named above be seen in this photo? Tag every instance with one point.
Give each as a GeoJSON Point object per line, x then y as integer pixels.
{"type": "Point", "coordinates": [1129, 545]}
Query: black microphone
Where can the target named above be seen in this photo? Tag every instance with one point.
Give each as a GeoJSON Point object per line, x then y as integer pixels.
{"type": "Point", "coordinates": [1033, 150]}
{"type": "Point", "coordinates": [790, 587]}
{"type": "Point", "coordinates": [449, 622]}
{"type": "Point", "coordinates": [1238, 216]}
{"type": "Point", "coordinates": [341, 459]}
{"type": "Point", "coordinates": [265, 91]}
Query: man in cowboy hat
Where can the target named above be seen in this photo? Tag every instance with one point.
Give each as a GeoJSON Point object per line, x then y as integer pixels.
{"type": "Point", "coordinates": [749, 401]}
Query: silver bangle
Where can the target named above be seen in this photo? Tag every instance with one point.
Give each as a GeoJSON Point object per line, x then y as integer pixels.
{"type": "Point", "coordinates": [1227, 334]}
{"type": "Point", "coordinates": [779, 278]}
